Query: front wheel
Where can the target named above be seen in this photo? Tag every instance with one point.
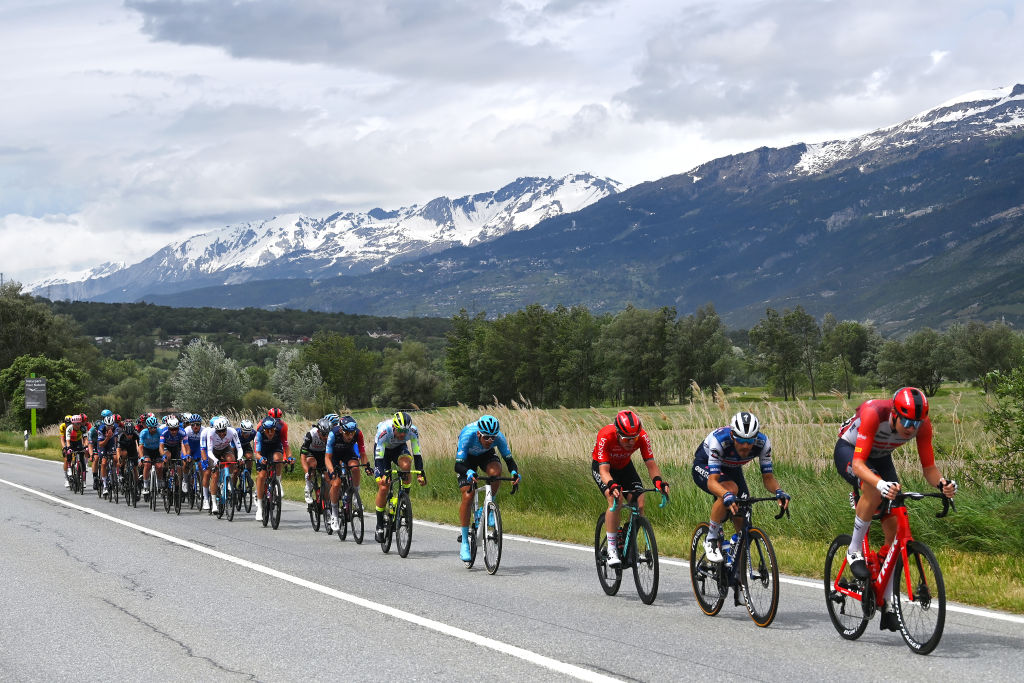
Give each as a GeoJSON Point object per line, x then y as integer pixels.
{"type": "Point", "coordinates": [610, 577]}
{"type": "Point", "coordinates": [843, 592]}
{"type": "Point", "coordinates": [645, 561]}
{"type": "Point", "coordinates": [760, 579]}
{"type": "Point", "coordinates": [314, 513]}
{"type": "Point", "coordinates": [919, 596]}
{"type": "Point", "coordinates": [492, 541]}
{"type": "Point", "coordinates": [275, 511]}
{"type": "Point", "coordinates": [403, 525]}
{"type": "Point", "coordinates": [356, 513]}
{"type": "Point", "coordinates": [710, 585]}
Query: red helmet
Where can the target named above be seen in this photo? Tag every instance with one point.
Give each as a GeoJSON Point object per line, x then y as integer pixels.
{"type": "Point", "coordinates": [910, 403]}
{"type": "Point", "coordinates": [85, 418]}
{"type": "Point", "coordinates": [76, 419]}
{"type": "Point", "coordinates": [275, 413]}
{"type": "Point", "coordinates": [627, 424]}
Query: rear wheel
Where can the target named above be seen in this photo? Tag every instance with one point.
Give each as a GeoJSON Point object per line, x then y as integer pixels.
{"type": "Point", "coordinates": [492, 541]}
{"type": "Point", "coordinates": [610, 577]}
{"type": "Point", "coordinates": [176, 492]}
{"type": "Point", "coordinates": [843, 592]}
{"type": "Point", "coordinates": [920, 600]}
{"type": "Point", "coordinates": [710, 585]}
{"type": "Point", "coordinates": [403, 525]}
{"type": "Point", "coordinates": [357, 519]}
{"type": "Point", "coordinates": [760, 578]}
{"type": "Point", "coordinates": [645, 561]}
{"type": "Point", "coordinates": [114, 488]}
{"type": "Point", "coordinates": [247, 493]}
{"type": "Point", "coordinates": [389, 529]}
{"type": "Point", "coordinates": [275, 512]}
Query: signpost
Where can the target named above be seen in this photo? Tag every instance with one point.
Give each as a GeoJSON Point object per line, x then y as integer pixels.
{"type": "Point", "coordinates": [35, 396]}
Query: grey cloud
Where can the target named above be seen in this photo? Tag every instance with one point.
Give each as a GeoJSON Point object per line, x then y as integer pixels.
{"type": "Point", "coordinates": [447, 39]}
{"type": "Point", "coordinates": [719, 64]}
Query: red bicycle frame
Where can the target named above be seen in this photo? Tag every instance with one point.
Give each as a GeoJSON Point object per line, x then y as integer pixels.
{"type": "Point", "coordinates": [880, 571]}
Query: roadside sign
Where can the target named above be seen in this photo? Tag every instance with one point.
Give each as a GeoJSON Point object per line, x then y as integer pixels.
{"type": "Point", "coordinates": [35, 393]}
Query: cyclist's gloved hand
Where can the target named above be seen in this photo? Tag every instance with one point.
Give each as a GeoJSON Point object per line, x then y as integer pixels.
{"type": "Point", "coordinates": [515, 477]}
{"type": "Point", "coordinates": [729, 499]}
{"type": "Point", "coordinates": [661, 485]}
{"type": "Point", "coordinates": [368, 469]}
{"type": "Point", "coordinates": [470, 476]}
{"type": "Point", "coordinates": [782, 495]}
{"type": "Point", "coordinates": [888, 489]}
{"type": "Point", "coordinates": [615, 489]}
{"type": "Point", "coordinates": [422, 479]}
{"type": "Point", "coordinates": [378, 473]}
{"type": "Point", "coordinates": [945, 484]}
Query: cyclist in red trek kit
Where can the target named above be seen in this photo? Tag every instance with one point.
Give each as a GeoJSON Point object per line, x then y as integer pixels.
{"type": "Point", "coordinates": [613, 470]}
{"type": "Point", "coordinates": [863, 457]}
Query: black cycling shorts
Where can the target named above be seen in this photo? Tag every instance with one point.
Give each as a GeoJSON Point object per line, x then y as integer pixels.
{"type": "Point", "coordinates": [626, 477]}
{"type": "Point", "coordinates": [479, 463]}
{"type": "Point", "coordinates": [843, 457]}
{"type": "Point", "coordinates": [700, 474]}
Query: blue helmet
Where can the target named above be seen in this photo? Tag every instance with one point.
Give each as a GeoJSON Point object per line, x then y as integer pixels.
{"type": "Point", "coordinates": [151, 421]}
{"type": "Point", "coordinates": [105, 413]}
{"type": "Point", "coordinates": [348, 424]}
{"type": "Point", "coordinates": [487, 425]}
{"type": "Point", "coordinates": [268, 423]}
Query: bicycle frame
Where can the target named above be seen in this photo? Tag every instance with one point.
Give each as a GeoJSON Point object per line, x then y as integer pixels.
{"type": "Point", "coordinates": [747, 512]}
{"type": "Point", "coordinates": [632, 505]}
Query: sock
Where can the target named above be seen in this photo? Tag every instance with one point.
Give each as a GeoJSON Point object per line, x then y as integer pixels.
{"type": "Point", "coordinates": [334, 509]}
{"type": "Point", "coordinates": [465, 535]}
{"type": "Point", "coordinates": [612, 542]}
{"type": "Point", "coordinates": [714, 530]}
{"type": "Point", "coordinates": [860, 529]}
{"type": "Point", "coordinates": [380, 516]}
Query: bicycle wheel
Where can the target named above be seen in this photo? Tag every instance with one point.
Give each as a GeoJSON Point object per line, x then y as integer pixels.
{"type": "Point", "coordinates": [176, 491]}
{"type": "Point", "coordinates": [314, 511]}
{"type": "Point", "coordinates": [843, 592]}
{"type": "Point", "coordinates": [229, 500]}
{"type": "Point", "coordinates": [610, 577]}
{"type": "Point", "coordinates": [492, 541]}
{"type": "Point", "coordinates": [760, 578]}
{"type": "Point", "coordinates": [165, 493]}
{"type": "Point", "coordinates": [645, 561]}
{"type": "Point", "coordinates": [154, 491]}
{"type": "Point", "coordinates": [115, 489]}
{"type": "Point", "coordinates": [356, 512]}
{"type": "Point", "coordinates": [247, 494]}
{"type": "Point", "coordinates": [921, 604]}
{"type": "Point", "coordinates": [275, 512]}
{"type": "Point", "coordinates": [403, 525]}
{"type": "Point", "coordinates": [710, 585]}
{"type": "Point", "coordinates": [268, 501]}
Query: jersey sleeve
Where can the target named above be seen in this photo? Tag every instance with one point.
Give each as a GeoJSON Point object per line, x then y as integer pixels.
{"type": "Point", "coordinates": [924, 444]}
{"type": "Point", "coordinates": [646, 451]}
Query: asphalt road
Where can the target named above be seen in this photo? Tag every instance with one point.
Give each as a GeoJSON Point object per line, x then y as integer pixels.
{"type": "Point", "coordinates": [94, 590]}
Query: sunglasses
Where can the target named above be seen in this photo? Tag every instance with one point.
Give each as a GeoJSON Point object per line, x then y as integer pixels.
{"type": "Point", "coordinates": [909, 424]}
{"type": "Point", "coordinates": [488, 437]}
{"type": "Point", "coordinates": [744, 441]}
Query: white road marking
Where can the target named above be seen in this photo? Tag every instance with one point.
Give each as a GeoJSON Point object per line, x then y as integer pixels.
{"type": "Point", "coordinates": [805, 583]}
{"type": "Point", "coordinates": [440, 627]}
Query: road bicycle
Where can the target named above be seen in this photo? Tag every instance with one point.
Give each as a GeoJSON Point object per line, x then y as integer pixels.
{"type": "Point", "coordinates": [485, 522]}
{"type": "Point", "coordinates": [225, 491]}
{"type": "Point", "coordinates": [320, 506]}
{"type": "Point", "coordinates": [193, 478]}
{"type": "Point", "coordinates": [398, 512]}
{"type": "Point", "coordinates": [244, 487]}
{"type": "Point", "coordinates": [351, 509]}
{"type": "Point", "coordinates": [918, 591]}
{"type": "Point", "coordinates": [129, 480]}
{"type": "Point", "coordinates": [171, 491]}
{"type": "Point", "coordinates": [273, 495]}
{"type": "Point", "coordinates": [111, 480]}
{"type": "Point", "coordinates": [636, 547]}
{"type": "Point", "coordinates": [748, 567]}
{"type": "Point", "coordinates": [78, 472]}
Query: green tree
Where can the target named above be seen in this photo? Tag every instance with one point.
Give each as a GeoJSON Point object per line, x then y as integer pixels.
{"type": "Point", "coordinates": [349, 373]}
{"type": "Point", "coordinates": [206, 381]}
{"type": "Point", "coordinates": [979, 349]}
{"type": "Point", "coordinates": [922, 360]}
{"type": "Point", "coordinates": [63, 389]}
{"type": "Point", "coordinates": [846, 344]}
{"type": "Point", "coordinates": [409, 378]}
{"type": "Point", "coordinates": [699, 351]}
{"type": "Point", "coordinates": [634, 348]}
{"type": "Point", "coordinates": [806, 335]}
{"type": "Point", "coordinates": [30, 328]}
{"type": "Point", "coordinates": [777, 352]}
{"type": "Point", "coordinates": [1005, 423]}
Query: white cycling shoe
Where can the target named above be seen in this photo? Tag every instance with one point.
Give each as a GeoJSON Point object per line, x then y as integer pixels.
{"type": "Point", "coordinates": [713, 549]}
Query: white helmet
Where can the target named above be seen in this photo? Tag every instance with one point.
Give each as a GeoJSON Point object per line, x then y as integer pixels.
{"type": "Point", "coordinates": [109, 420]}
{"type": "Point", "coordinates": [744, 425]}
{"type": "Point", "coordinates": [246, 426]}
{"type": "Point", "coordinates": [172, 422]}
{"type": "Point", "coordinates": [219, 423]}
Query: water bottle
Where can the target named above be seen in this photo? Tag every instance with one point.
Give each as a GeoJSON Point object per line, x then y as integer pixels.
{"type": "Point", "coordinates": [729, 548]}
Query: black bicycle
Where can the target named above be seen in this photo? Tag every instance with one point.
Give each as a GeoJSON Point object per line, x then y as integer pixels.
{"type": "Point", "coordinates": [351, 509]}
{"type": "Point", "coordinates": [319, 507]}
{"type": "Point", "coordinates": [129, 477]}
{"type": "Point", "coordinates": [748, 567]}
{"type": "Point", "coordinates": [171, 490]}
{"type": "Point", "coordinates": [636, 546]}
{"type": "Point", "coordinates": [273, 495]}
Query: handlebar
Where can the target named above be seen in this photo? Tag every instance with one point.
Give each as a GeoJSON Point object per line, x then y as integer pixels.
{"type": "Point", "coordinates": [947, 503]}
{"type": "Point", "coordinates": [747, 502]}
{"type": "Point", "coordinates": [637, 492]}
{"type": "Point", "coordinates": [490, 480]}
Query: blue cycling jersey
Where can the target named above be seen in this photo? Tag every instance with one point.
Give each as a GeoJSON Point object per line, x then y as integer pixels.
{"type": "Point", "coordinates": [150, 439]}
{"type": "Point", "coordinates": [469, 444]}
{"type": "Point", "coordinates": [334, 441]}
{"type": "Point", "coordinates": [172, 438]}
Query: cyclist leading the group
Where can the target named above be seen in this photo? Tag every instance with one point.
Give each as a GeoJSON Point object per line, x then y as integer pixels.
{"type": "Point", "coordinates": [391, 445]}
{"type": "Point", "coordinates": [718, 471]}
{"type": "Point", "coordinates": [474, 451]}
{"type": "Point", "coordinates": [613, 470]}
{"type": "Point", "coordinates": [863, 457]}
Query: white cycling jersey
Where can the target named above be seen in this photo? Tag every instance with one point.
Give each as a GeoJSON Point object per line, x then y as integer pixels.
{"type": "Point", "coordinates": [210, 441]}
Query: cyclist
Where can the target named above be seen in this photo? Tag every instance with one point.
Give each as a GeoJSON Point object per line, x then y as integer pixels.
{"type": "Point", "coordinates": [219, 442]}
{"type": "Point", "coordinates": [345, 449]}
{"type": "Point", "coordinates": [63, 428]}
{"type": "Point", "coordinates": [128, 446]}
{"type": "Point", "coordinates": [107, 437]}
{"type": "Point", "coordinates": [613, 471]}
{"type": "Point", "coordinates": [863, 457]}
{"type": "Point", "coordinates": [76, 439]}
{"type": "Point", "coordinates": [194, 439]}
{"type": "Point", "coordinates": [718, 471]}
{"type": "Point", "coordinates": [269, 451]}
{"type": "Point", "coordinates": [391, 445]}
{"type": "Point", "coordinates": [94, 432]}
{"type": "Point", "coordinates": [312, 451]}
{"type": "Point", "coordinates": [149, 452]}
{"type": "Point", "coordinates": [475, 450]}
{"type": "Point", "coordinates": [246, 437]}
{"type": "Point", "coordinates": [282, 428]}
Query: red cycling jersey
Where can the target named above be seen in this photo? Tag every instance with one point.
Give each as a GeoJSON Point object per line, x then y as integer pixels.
{"type": "Point", "coordinates": [873, 437]}
{"type": "Point", "coordinates": [608, 448]}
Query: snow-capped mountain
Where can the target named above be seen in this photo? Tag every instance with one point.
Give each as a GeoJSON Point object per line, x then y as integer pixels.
{"type": "Point", "coordinates": [344, 243]}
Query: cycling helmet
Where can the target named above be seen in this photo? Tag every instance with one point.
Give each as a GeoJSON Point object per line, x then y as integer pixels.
{"type": "Point", "coordinates": [348, 424]}
{"type": "Point", "coordinates": [401, 421]}
{"type": "Point", "coordinates": [151, 421]}
{"type": "Point", "coordinates": [744, 425]}
{"type": "Point", "coordinates": [219, 424]}
{"type": "Point", "coordinates": [332, 419]}
{"type": "Point", "coordinates": [172, 422]}
{"type": "Point", "coordinates": [76, 419]}
{"type": "Point", "coordinates": [106, 413]}
{"type": "Point", "coordinates": [275, 413]}
{"type": "Point", "coordinates": [67, 419]}
{"type": "Point", "coordinates": [164, 419]}
{"type": "Point", "coordinates": [910, 403]}
{"type": "Point", "coordinates": [323, 425]}
{"type": "Point", "coordinates": [246, 426]}
{"type": "Point", "coordinates": [118, 419]}
{"type": "Point", "coordinates": [109, 420]}
{"type": "Point", "coordinates": [268, 423]}
{"type": "Point", "coordinates": [487, 425]}
{"type": "Point", "coordinates": [85, 418]}
{"type": "Point", "coordinates": [627, 424]}
{"type": "Point", "coordinates": [195, 417]}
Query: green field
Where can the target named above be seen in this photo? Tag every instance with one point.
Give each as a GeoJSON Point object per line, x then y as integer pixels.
{"type": "Point", "coordinates": [979, 545]}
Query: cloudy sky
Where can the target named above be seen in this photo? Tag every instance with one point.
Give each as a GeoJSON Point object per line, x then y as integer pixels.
{"type": "Point", "coordinates": [126, 124]}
